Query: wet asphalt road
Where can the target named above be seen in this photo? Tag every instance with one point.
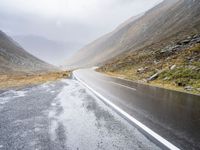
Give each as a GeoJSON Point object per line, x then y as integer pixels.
{"type": "Point", "coordinates": [173, 115]}
{"type": "Point", "coordinates": [63, 115]}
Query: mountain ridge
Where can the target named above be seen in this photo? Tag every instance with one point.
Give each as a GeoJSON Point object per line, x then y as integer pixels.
{"type": "Point", "coordinates": [45, 48]}
{"type": "Point", "coordinates": [171, 19]}
{"type": "Point", "coordinates": [14, 59]}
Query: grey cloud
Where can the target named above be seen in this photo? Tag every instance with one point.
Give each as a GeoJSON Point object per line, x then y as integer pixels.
{"type": "Point", "coordinates": [75, 29]}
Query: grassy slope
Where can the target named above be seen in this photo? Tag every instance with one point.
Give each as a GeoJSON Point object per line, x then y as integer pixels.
{"type": "Point", "coordinates": [142, 64]}
{"type": "Point", "coordinates": [156, 49]}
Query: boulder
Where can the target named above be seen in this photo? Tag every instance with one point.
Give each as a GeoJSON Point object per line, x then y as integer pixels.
{"type": "Point", "coordinates": [140, 70]}
{"type": "Point", "coordinates": [156, 62]}
{"type": "Point", "coordinates": [188, 88]}
{"type": "Point", "coordinates": [185, 41]}
{"type": "Point", "coordinates": [167, 49]}
{"type": "Point", "coordinates": [198, 40]}
{"type": "Point", "coordinates": [166, 78]}
{"type": "Point", "coordinates": [172, 67]}
{"type": "Point", "coordinates": [153, 77]}
{"type": "Point", "coordinates": [198, 89]}
{"type": "Point", "coordinates": [195, 36]}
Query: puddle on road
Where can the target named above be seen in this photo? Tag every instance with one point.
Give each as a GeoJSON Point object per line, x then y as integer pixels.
{"type": "Point", "coordinates": [87, 123]}
{"type": "Point", "coordinates": [5, 97]}
{"type": "Point", "coordinates": [65, 115]}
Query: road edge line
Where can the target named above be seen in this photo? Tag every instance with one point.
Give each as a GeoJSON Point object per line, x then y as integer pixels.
{"type": "Point", "coordinates": [144, 128]}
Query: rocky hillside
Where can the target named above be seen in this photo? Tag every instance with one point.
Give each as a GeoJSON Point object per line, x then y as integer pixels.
{"type": "Point", "coordinates": [14, 59]}
{"type": "Point", "coordinates": [175, 66]}
{"type": "Point", "coordinates": [170, 21]}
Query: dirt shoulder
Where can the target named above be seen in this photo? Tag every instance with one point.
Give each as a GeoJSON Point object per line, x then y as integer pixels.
{"type": "Point", "coordinates": [15, 81]}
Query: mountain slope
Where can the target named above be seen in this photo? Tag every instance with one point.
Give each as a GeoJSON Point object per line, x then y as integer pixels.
{"type": "Point", "coordinates": [14, 59]}
{"type": "Point", "coordinates": [100, 49]}
{"type": "Point", "coordinates": [44, 48]}
{"type": "Point", "coordinates": [170, 20]}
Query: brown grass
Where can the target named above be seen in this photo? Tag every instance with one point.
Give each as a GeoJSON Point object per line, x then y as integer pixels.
{"type": "Point", "coordinates": [14, 81]}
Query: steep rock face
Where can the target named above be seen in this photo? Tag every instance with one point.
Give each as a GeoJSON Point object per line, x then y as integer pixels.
{"type": "Point", "coordinates": [14, 59]}
{"type": "Point", "coordinates": [168, 21]}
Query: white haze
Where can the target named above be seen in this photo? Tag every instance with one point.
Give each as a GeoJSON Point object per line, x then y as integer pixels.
{"type": "Point", "coordinates": [77, 22]}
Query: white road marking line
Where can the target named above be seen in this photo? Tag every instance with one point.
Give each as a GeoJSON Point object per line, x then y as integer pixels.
{"type": "Point", "coordinates": [117, 84]}
{"type": "Point", "coordinates": [160, 139]}
{"type": "Point", "coordinates": [123, 85]}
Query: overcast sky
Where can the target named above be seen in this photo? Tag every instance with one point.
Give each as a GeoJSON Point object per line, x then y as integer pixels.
{"type": "Point", "coordinates": [76, 21]}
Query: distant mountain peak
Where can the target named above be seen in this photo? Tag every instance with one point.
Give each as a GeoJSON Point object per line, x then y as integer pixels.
{"type": "Point", "coordinates": [13, 58]}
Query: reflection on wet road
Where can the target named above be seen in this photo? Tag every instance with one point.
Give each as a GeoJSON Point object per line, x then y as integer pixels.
{"type": "Point", "coordinates": [173, 115]}
{"type": "Point", "coordinates": [63, 115]}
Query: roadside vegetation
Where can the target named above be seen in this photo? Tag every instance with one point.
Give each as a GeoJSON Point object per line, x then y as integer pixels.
{"type": "Point", "coordinates": [16, 81]}
{"type": "Point", "coordinates": [176, 66]}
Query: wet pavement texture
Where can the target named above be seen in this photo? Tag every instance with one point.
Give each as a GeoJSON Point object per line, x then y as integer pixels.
{"type": "Point", "coordinates": [63, 115]}
{"type": "Point", "coordinates": [173, 115]}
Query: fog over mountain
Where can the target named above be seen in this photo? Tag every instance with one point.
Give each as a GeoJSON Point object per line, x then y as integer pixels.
{"type": "Point", "coordinates": [169, 21]}
{"type": "Point", "coordinates": [53, 52]}
{"type": "Point", "coordinates": [14, 59]}
{"type": "Point", "coordinates": [72, 22]}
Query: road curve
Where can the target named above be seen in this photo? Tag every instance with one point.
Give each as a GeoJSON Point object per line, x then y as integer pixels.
{"type": "Point", "coordinates": [175, 116]}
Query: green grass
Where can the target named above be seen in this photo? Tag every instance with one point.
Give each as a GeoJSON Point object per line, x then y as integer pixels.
{"type": "Point", "coordinates": [182, 76]}
{"type": "Point", "coordinates": [186, 73]}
